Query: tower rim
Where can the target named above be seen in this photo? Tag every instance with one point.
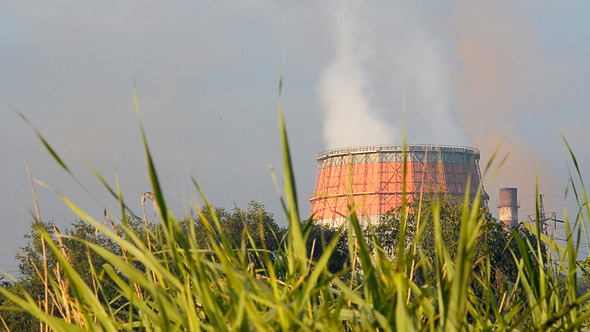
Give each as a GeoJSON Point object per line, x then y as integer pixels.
{"type": "Point", "coordinates": [396, 148]}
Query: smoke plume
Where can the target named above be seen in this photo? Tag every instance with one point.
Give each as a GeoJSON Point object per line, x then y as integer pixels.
{"type": "Point", "coordinates": [505, 82]}
{"type": "Point", "coordinates": [385, 58]}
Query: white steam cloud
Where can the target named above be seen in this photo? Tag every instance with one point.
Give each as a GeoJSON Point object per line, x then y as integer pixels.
{"type": "Point", "coordinates": [385, 55]}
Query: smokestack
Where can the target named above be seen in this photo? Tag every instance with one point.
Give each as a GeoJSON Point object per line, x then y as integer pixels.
{"type": "Point", "coordinates": [508, 206]}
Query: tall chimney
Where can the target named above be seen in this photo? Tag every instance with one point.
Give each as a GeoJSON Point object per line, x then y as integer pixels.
{"type": "Point", "coordinates": [508, 207]}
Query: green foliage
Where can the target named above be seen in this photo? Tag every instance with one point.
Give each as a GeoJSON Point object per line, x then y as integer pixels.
{"type": "Point", "coordinates": [33, 261]}
{"type": "Point", "coordinates": [255, 221]}
{"type": "Point", "coordinates": [317, 238]}
{"type": "Point", "coordinates": [494, 245]}
{"type": "Point", "coordinates": [585, 266]}
{"type": "Point", "coordinates": [437, 268]}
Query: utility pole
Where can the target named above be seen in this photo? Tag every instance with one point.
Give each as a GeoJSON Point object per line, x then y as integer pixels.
{"type": "Point", "coordinates": [543, 217]}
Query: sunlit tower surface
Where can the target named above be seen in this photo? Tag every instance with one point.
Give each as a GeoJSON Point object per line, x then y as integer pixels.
{"type": "Point", "coordinates": [508, 206]}
{"type": "Point", "coordinates": [372, 179]}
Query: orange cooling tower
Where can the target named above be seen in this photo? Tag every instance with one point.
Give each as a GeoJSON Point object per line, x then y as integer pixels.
{"type": "Point", "coordinates": [373, 178]}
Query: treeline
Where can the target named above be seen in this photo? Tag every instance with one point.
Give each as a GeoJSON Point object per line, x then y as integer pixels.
{"type": "Point", "coordinates": [252, 230]}
{"type": "Point", "coordinates": [261, 241]}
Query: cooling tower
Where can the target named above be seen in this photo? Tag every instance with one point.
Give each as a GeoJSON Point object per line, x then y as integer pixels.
{"type": "Point", "coordinates": [508, 206]}
{"type": "Point", "coordinates": [372, 177]}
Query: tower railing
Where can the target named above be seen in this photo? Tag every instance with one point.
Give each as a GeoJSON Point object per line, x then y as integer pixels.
{"type": "Point", "coordinates": [396, 148]}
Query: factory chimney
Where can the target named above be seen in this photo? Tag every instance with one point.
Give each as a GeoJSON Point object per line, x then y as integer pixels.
{"type": "Point", "coordinates": [508, 206]}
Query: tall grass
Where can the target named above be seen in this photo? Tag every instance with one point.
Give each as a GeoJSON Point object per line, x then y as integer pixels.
{"type": "Point", "coordinates": [167, 282]}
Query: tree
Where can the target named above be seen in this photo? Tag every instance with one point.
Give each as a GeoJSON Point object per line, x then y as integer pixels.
{"type": "Point", "coordinates": [253, 228]}
{"type": "Point", "coordinates": [318, 237]}
{"type": "Point", "coordinates": [34, 260]}
{"type": "Point", "coordinates": [419, 220]}
{"type": "Point", "coordinates": [495, 242]}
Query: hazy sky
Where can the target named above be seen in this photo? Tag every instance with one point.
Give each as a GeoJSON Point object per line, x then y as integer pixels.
{"type": "Point", "coordinates": [460, 73]}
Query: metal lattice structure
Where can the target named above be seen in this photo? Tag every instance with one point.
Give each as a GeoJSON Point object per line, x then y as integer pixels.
{"type": "Point", "coordinates": [371, 178]}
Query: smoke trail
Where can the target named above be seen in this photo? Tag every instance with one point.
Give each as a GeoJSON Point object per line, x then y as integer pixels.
{"type": "Point", "coordinates": [506, 78]}
{"type": "Point", "coordinates": [383, 55]}
{"type": "Point", "coordinates": [349, 119]}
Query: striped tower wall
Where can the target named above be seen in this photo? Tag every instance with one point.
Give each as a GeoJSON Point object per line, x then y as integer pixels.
{"type": "Point", "coordinates": [372, 179]}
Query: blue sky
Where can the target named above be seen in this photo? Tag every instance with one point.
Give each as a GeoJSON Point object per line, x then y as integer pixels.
{"type": "Point", "coordinates": [468, 73]}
